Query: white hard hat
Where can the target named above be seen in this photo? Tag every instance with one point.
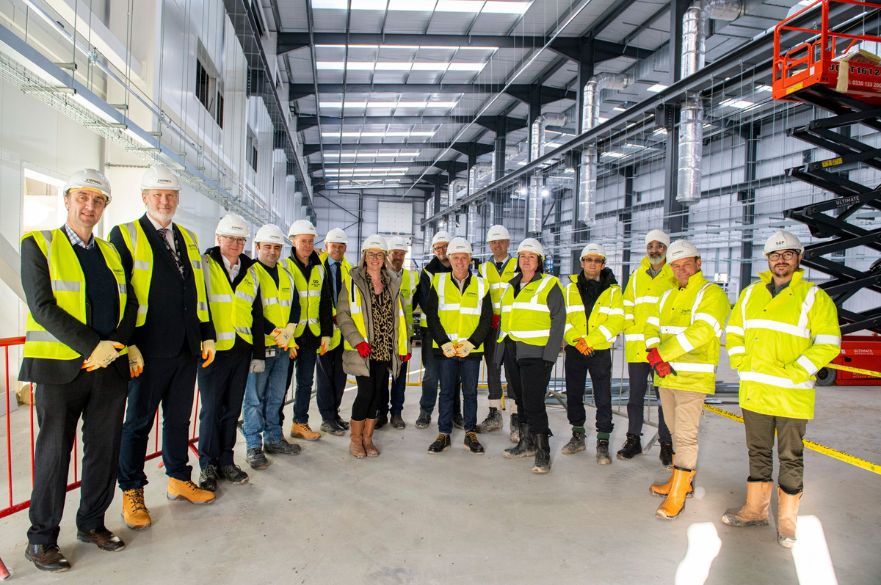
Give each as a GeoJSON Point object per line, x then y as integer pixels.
{"type": "Point", "coordinates": [270, 234]}
{"type": "Point", "coordinates": [681, 249]}
{"type": "Point", "coordinates": [336, 236]}
{"type": "Point", "coordinates": [397, 243]}
{"type": "Point", "coordinates": [497, 232]}
{"type": "Point", "coordinates": [594, 250]}
{"type": "Point", "coordinates": [375, 242]}
{"type": "Point", "coordinates": [440, 237]}
{"type": "Point", "coordinates": [232, 225]}
{"type": "Point", "coordinates": [531, 245]}
{"type": "Point", "coordinates": [458, 246]}
{"type": "Point", "coordinates": [657, 236]}
{"type": "Point", "coordinates": [783, 240]}
{"type": "Point", "coordinates": [302, 227]}
{"type": "Point", "coordinates": [89, 179]}
{"type": "Point", "coordinates": [159, 177]}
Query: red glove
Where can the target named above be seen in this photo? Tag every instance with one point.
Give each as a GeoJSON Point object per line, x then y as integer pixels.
{"type": "Point", "coordinates": [406, 358]}
{"type": "Point", "coordinates": [334, 319]}
{"type": "Point", "coordinates": [363, 349]}
{"type": "Point", "coordinates": [496, 321]}
{"type": "Point", "coordinates": [654, 357]}
{"type": "Point", "coordinates": [664, 369]}
{"type": "Point", "coordinates": [660, 367]}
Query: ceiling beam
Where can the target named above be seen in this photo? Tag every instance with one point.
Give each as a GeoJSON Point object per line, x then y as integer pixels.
{"type": "Point", "coordinates": [313, 148]}
{"type": "Point", "coordinates": [498, 124]}
{"type": "Point", "coordinates": [548, 94]}
{"type": "Point", "coordinates": [381, 164]}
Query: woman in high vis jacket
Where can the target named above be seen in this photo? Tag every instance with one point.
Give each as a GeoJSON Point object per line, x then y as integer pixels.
{"type": "Point", "coordinates": [370, 316]}
{"type": "Point", "coordinates": [530, 336]}
{"type": "Point", "coordinates": [683, 335]}
{"type": "Point", "coordinates": [782, 330]}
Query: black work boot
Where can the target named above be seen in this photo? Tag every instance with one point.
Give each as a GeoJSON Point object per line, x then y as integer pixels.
{"type": "Point", "coordinates": [381, 421]}
{"type": "Point", "coordinates": [515, 428]}
{"type": "Point", "coordinates": [441, 443]}
{"type": "Point", "coordinates": [542, 453]}
{"type": "Point", "coordinates": [631, 448]}
{"type": "Point", "coordinates": [423, 420]}
{"type": "Point", "coordinates": [472, 444]}
{"type": "Point", "coordinates": [524, 448]}
{"type": "Point", "coordinates": [398, 422]}
{"type": "Point", "coordinates": [208, 478]}
{"type": "Point", "coordinates": [603, 452]}
{"type": "Point", "coordinates": [492, 422]}
{"type": "Point", "coordinates": [576, 443]}
{"type": "Point", "coordinates": [666, 455]}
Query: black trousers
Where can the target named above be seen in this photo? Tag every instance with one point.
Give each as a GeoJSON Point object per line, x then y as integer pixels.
{"type": "Point", "coordinates": [493, 372]}
{"type": "Point", "coordinates": [639, 373]}
{"type": "Point", "coordinates": [170, 382]}
{"type": "Point", "coordinates": [533, 375]}
{"type": "Point", "coordinates": [509, 360]}
{"type": "Point", "coordinates": [599, 365]}
{"type": "Point", "coordinates": [99, 398]}
{"type": "Point", "coordinates": [221, 391]}
{"type": "Point", "coordinates": [331, 383]}
{"type": "Point", "coordinates": [371, 390]}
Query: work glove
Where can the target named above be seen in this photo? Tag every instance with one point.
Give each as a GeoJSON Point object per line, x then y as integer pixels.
{"type": "Point", "coordinates": [257, 366]}
{"type": "Point", "coordinates": [325, 344]}
{"type": "Point", "coordinates": [661, 368]}
{"type": "Point", "coordinates": [406, 358]}
{"type": "Point", "coordinates": [208, 352]}
{"type": "Point", "coordinates": [284, 336]}
{"type": "Point", "coordinates": [364, 349]}
{"type": "Point", "coordinates": [135, 361]}
{"type": "Point", "coordinates": [449, 349]}
{"type": "Point", "coordinates": [583, 348]}
{"type": "Point", "coordinates": [103, 355]}
{"type": "Point", "coordinates": [463, 348]}
{"type": "Point", "coordinates": [495, 322]}
{"type": "Point", "coordinates": [293, 350]}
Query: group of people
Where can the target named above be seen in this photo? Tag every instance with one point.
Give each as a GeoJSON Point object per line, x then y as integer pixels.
{"type": "Point", "coordinates": [245, 328]}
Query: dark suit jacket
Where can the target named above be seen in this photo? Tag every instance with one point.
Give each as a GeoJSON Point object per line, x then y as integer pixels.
{"type": "Point", "coordinates": [65, 327]}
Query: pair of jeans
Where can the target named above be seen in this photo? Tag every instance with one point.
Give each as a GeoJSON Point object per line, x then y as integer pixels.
{"type": "Point", "coordinates": [599, 365]}
{"type": "Point", "coordinates": [264, 395]}
{"type": "Point", "coordinates": [305, 376]}
{"type": "Point", "coordinates": [331, 383]}
{"type": "Point", "coordinates": [399, 386]}
{"type": "Point", "coordinates": [452, 372]}
{"type": "Point", "coordinates": [639, 374]}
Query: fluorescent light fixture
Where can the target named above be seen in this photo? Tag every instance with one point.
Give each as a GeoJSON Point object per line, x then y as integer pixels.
{"type": "Point", "coordinates": [656, 87]}
{"type": "Point", "coordinates": [461, 6]}
{"type": "Point", "coordinates": [619, 109]}
{"type": "Point", "coordinates": [389, 104]}
{"type": "Point", "coordinates": [371, 154]}
{"type": "Point", "coordinates": [410, 5]}
{"type": "Point", "coordinates": [400, 66]}
{"type": "Point", "coordinates": [552, 145]}
{"type": "Point", "coordinates": [763, 88]}
{"type": "Point", "coordinates": [545, 192]}
{"type": "Point", "coordinates": [736, 103]}
{"type": "Point", "coordinates": [359, 134]}
{"type": "Point", "coordinates": [660, 132]}
{"type": "Point", "coordinates": [495, 7]}
{"type": "Point", "coordinates": [613, 154]}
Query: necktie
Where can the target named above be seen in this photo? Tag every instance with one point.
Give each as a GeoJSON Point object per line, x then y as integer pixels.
{"type": "Point", "coordinates": [174, 256]}
{"type": "Point", "coordinates": [335, 277]}
{"type": "Point", "coordinates": [499, 266]}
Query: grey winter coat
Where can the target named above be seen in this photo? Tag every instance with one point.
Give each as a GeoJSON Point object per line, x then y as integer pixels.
{"type": "Point", "coordinates": [353, 363]}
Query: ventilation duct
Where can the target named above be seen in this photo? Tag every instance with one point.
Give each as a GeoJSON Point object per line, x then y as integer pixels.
{"type": "Point", "coordinates": [473, 223]}
{"type": "Point", "coordinates": [536, 182]}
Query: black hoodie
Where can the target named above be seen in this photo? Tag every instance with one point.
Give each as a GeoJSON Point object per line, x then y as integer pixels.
{"type": "Point", "coordinates": [591, 290]}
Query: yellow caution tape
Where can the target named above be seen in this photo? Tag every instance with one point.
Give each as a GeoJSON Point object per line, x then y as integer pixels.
{"type": "Point", "coordinates": [812, 445]}
{"type": "Point", "coordinates": [855, 370]}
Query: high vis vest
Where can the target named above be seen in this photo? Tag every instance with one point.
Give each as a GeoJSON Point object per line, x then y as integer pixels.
{"type": "Point", "coordinates": [778, 344]}
{"type": "Point", "coordinates": [310, 296]}
{"type": "Point", "coordinates": [606, 317]}
{"type": "Point", "coordinates": [409, 284]}
{"type": "Point", "coordinates": [142, 267]}
{"type": "Point", "coordinates": [230, 309]}
{"type": "Point", "coordinates": [527, 318]}
{"type": "Point", "coordinates": [497, 282]}
{"type": "Point", "coordinates": [686, 327]}
{"type": "Point", "coordinates": [640, 294]}
{"type": "Point", "coordinates": [356, 308]}
{"type": "Point", "coordinates": [459, 312]}
{"type": "Point", "coordinates": [276, 299]}
{"type": "Point", "coordinates": [423, 321]}
{"type": "Point", "coordinates": [69, 288]}
{"type": "Point", "coordinates": [345, 281]}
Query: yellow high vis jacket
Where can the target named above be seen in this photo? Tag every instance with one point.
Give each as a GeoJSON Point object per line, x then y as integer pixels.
{"type": "Point", "coordinates": [310, 296]}
{"type": "Point", "coordinates": [778, 344]}
{"type": "Point", "coordinates": [685, 326]}
{"type": "Point", "coordinates": [498, 281]}
{"type": "Point", "coordinates": [606, 318]}
{"type": "Point", "coordinates": [409, 284]}
{"type": "Point", "coordinates": [345, 269]}
{"type": "Point", "coordinates": [527, 318]}
{"type": "Point", "coordinates": [276, 299]}
{"type": "Point", "coordinates": [459, 312]}
{"type": "Point", "coordinates": [640, 295]}
{"type": "Point", "coordinates": [230, 308]}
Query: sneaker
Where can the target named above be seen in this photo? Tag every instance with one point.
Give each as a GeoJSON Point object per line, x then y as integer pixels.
{"type": "Point", "coordinates": [632, 447]}
{"type": "Point", "coordinates": [381, 421]}
{"type": "Point", "coordinates": [603, 452]}
{"type": "Point", "coordinates": [492, 422]}
{"type": "Point", "coordinates": [302, 431]}
{"type": "Point", "coordinates": [458, 421]}
{"type": "Point", "coordinates": [666, 455]}
{"type": "Point", "coordinates": [331, 427]}
{"type": "Point", "coordinates": [424, 420]}
{"type": "Point", "coordinates": [440, 443]}
{"type": "Point", "coordinates": [575, 444]}
{"type": "Point", "coordinates": [134, 511]}
{"type": "Point", "coordinates": [179, 489]}
{"type": "Point", "coordinates": [234, 474]}
{"type": "Point", "coordinates": [472, 444]}
{"type": "Point", "coordinates": [282, 448]}
{"type": "Point", "coordinates": [256, 458]}
{"type": "Point", "coordinates": [208, 478]}
{"type": "Point", "coordinates": [47, 557]}
{"type": "Point", "coordinates": [398, 422]}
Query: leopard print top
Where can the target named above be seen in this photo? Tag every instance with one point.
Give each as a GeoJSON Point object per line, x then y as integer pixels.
{"type": "Point", "coordinates": [382, 313]}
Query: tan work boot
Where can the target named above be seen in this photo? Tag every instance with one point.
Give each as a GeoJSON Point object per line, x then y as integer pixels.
{"type": "Point", "coordinates": [787, 517]}
{"type": "Point", "coordinates": [673, 505]}
{"type": "Point", "coordinates": [187, 490]}
{"type": "Point", "coordinates": [755, 511]}
{"type": "Point", "coordinates": [134, 511]}
{"type": "Point", "coordinates": [356, 446]}
{"type": "Point", "coordinates": [302, 431]}
{"type": "Point", "coordinates": [662, 489]}
{"type": "Point", "coordinates": [367, 439]}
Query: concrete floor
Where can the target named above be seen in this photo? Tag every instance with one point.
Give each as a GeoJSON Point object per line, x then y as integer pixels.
{"type": "Point", "coordinates": [410, 517]}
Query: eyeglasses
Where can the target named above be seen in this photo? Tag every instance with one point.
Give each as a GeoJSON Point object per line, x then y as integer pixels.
{"type": "Point", "coordinates": [440, 248]}
{"type": "Point", "coordinates": [232, 240]}
{"type": "Point", "coordinates": [374, 255]}
{"type": "Point", "coordinates": [786, 255]}
{"type": "Point", "coordinates": [593, 260]}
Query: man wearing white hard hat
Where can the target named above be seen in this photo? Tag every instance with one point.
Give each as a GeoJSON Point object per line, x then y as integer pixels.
{"type": "Point", "coordinates": [330, 374]}
{"type": "Point", "coordinates": [81, 317]}
{"type": "Point", "coordinates": [782, 330]}
{"type": "Point", "coordinates": [498, 271]}
{"type": "Point", "coordinates": [682, 337]}
{"type": "Point", "coordinates": [530, 336]}
{"type": "Point", "coordinates": [647, 283]}
{"type": "Point", "coordinates": [237, 314]}
{"type": "Point", "coordinates": [459, 311]}
{"type": "Point", "coordinates": [394, 404]}
{"type": "Point", "coordinates": [594, 318]}
{"type": "Point", "coordinates": [265, 391]}
{"type": "Point", "coordinates": [173, 330]}
{"type": "Point", "coordinates": [314, 331]}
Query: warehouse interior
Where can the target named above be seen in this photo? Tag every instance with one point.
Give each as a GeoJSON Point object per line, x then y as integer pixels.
{"type": "Point", "coordinates": [572, 122]}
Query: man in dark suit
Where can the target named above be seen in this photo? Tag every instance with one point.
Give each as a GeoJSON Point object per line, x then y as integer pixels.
{"type": "Point", "coordinates": [172, 329]}
{"type": "Point", "coordinates": [81, 318]}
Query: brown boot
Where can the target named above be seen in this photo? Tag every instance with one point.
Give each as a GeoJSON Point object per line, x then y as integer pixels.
{"type": "Point", "coordinates": [356, 432]}
{"type": "Point", "coordinates": [369, 425]}
{"type": "Point", "coordinates": [662, 489]}
{"type": "Point", "coordinates": [755, 511]}
{"type": "Point", "coordinates": [673, 505]}
{"type": "Point", "coordinates": [787, 516]}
